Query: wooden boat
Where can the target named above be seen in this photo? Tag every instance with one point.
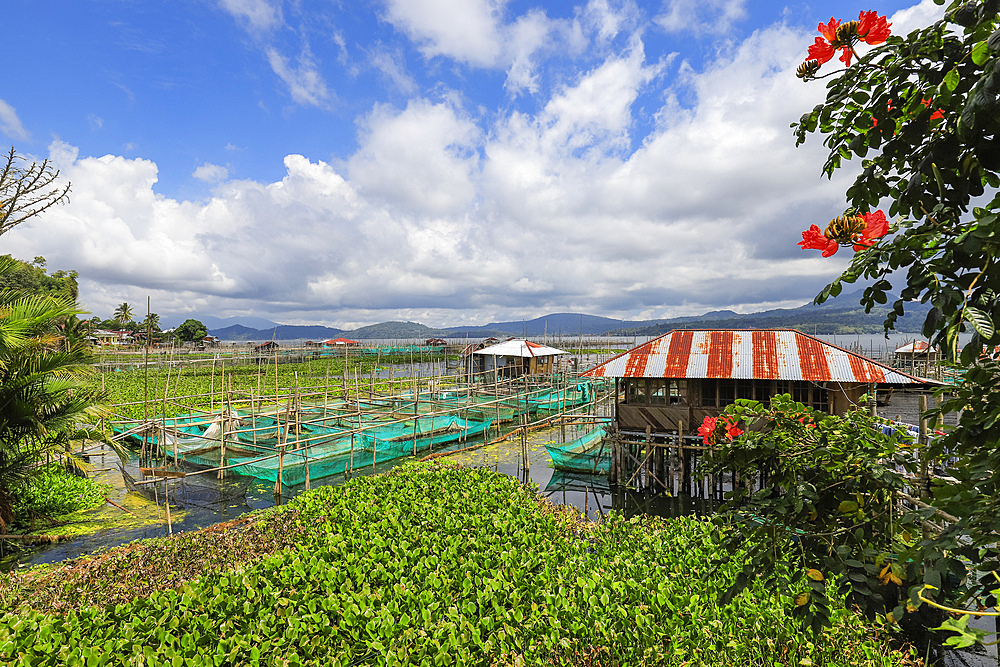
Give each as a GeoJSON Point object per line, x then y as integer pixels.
{"type": "Point", "coordinates": [587, 454]}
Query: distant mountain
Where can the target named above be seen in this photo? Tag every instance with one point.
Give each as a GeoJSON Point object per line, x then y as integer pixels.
{"type": "Point", "coordinates": [238, 332]}
{"type": "Point", "coordinates": [842, 315]}
{"type": "Point", "coordinates": [566, 323]}
{"type": "Point", "coordinates": [213, 323]}
{"type": "Point", "coordinates": [390, 330]}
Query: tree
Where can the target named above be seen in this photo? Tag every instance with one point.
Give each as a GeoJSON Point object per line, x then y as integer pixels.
{"type": "Point", "coordinates": [190, 330]}
{"type": "Point", "coordinates": [44, 388]}
{"type": "Point", "coordinates": [922, 113]}
{"type": "Point", "coordinates": [150, 323]}
{"type": "Point", "coordinates": [26, 190]}
{"type": "Point", "coordinates": [124, 314]}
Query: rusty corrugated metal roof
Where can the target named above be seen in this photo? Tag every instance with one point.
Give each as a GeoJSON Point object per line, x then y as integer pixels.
{"type": "Point", "coordinates": [760, 354]}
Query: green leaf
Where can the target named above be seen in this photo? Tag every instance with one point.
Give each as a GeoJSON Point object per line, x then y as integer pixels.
{"type": "Point", "coordinates": [951, 79]}
{"type": "Point", "coordinates": [847, 507]}
{"type": "Point", "coordinates": [980, 53]}
{"type": "Point", "coordinates": [980, 321]}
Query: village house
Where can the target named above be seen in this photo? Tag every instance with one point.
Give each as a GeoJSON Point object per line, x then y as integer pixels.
{"type": "Point", "coordinates": [671, 383]}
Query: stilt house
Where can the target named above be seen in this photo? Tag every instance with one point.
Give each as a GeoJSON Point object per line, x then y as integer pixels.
{"type": "Point", "coordinates": [671, 383]}
{"type": "Point", "coordinates": [512, 358]}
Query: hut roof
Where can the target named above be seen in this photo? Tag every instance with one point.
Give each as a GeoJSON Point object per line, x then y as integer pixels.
{"type": "Point", "coordinates": [519, 348]}
{"type": "Point", "coordinates": [341, 341]}
{"type": "Point", "coordinates": [760, 354]}
{"type": "Point", "coordinates": [916, 347]}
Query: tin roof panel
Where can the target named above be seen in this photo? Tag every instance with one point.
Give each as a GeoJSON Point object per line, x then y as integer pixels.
{"type": "Point", "coordinates": [749, 354]}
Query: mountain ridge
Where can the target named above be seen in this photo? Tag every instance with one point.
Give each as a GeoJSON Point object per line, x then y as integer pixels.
{"type": "Point", "coordinates": [839, 316]}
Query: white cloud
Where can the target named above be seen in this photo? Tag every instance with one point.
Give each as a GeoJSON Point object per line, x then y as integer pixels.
{"type": "Point", "coordinates": [392, 66]}
{"type": "Point", "coordinates": [211, 173]}
{"type": "Point", "coordinates": [446, 212]}
{"type": "Point", "coordinates": [303, 78]}
{"type": "Point", "coordinates": [528, 34]}
{"type": "Point", "coordinates": [701, 16]}
{"type": "Point", "coordinates": [10, 124]}
{"type": "Point", "coordinates": [917, 16]}
{"type": "Point", "coordinates": [257, 15]}
{"type": "Point", "coordinates": [465, 30]}
{"type": "Point", "coordinates": [420, 159]}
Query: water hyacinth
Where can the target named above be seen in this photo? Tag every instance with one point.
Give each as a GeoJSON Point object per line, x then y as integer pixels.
{"type": "Point", "coordinates": [441, 565]}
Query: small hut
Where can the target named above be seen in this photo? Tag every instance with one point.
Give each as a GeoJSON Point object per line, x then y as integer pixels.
{"type": "Point", "coordinates": [341, 343]}
{"type": "Point", "coordinates": [512, 358]}
{"type": "Point", "coordinates": [671, 383]}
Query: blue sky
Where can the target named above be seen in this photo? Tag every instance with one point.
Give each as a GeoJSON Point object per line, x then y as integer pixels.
{"type": "Point", "coordinates": [439, 161]}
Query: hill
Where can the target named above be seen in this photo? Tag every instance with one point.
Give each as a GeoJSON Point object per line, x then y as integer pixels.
{"type": "Point", "coordinates": [840, 316]}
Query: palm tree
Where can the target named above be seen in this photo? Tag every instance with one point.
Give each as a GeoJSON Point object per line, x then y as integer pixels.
{"type": "Point", "coordinates": [151, 323]}
{"type": "Point", "coordinates": [124, 313]}
{"type": "Point", "coordinates": [44, 392]}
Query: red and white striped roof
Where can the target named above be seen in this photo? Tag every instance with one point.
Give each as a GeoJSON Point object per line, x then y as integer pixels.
{"type": "Point", "coordinates": [755, 354]}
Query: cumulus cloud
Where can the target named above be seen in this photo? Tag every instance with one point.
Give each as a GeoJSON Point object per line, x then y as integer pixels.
{"type": "Point", "coordinates": [10, 124]}
{"type": "Point", "coordinates": [446, 213]}
{"type": "Point", "coordinates": [464, 30]}
{"type": "Point", "coordinates": [420, 159]}
{"type": "Point", "coordinates": [211, 173]}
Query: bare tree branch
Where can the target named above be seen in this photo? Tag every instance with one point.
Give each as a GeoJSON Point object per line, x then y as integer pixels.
{"type": "Point", "coordinates": [26, 191]}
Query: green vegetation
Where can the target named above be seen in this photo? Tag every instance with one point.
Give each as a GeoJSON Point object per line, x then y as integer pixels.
{"type": "Point", "coordinates": [32, 279]}
{"type": "Point", "coordinates": [922, 115]}
{"type": "Point", "coordinates": [422, 565]}
{"type": "Point", "coordinates": [190, 330]}
{"type": "Point", "coordinates": [822, 516]}
{"type": "Point", "coordinates": [126, 389]}
{"type": "Point", "coordinates": [54, 492]}
{"type": "Point", "coordinates": [44, 386]}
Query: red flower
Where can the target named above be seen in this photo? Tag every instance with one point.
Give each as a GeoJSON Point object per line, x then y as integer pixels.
{"type": "Point", "coordinates": [872, 28]}
{"type": "Point", "coordinates": [707, 430]}
{"type": "Point", "coordinates": [855, 230]}
{"type": "Point", "coordinates": [876, 226]}
{"type": "Point", "coordinates": [710, 424]}
{"type": "Point", "coordinates": [813, 239]}
{"type": "Point", "coordinates": [823, 49]}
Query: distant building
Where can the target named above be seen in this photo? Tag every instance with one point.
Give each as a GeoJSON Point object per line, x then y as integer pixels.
{"type": "Point", "coordinates": [106, 337]}
{"type": "Point", "coordinates": [341, 342]}
{"type": "Point", "coordinates": [435, 341]}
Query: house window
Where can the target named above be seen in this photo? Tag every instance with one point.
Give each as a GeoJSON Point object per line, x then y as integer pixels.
{"type": "Point", "coordinates": [708, 398]}
{"type": "Point", "coordinates": [658, 391]}
{"type": "Point", "coordinates": [744, 389]}
{"type": "Point", "coordinates": [727, 392]}
{"type": "Point", "coordinates": [636, 392]}
{"type": "Point", "coordinates": [821, 399]}
{"type": "Point", "coordinates": [678, 390]}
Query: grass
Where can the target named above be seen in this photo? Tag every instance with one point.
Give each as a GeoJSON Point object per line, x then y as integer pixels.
{"type": "Point", "coordinates": [424, 565]}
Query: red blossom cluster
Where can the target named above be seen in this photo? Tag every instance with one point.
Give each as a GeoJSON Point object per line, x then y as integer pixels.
{"type": "Point", "coordinates": [870, 28]}
{"type": "Point", "coordinates": [727, 424]}
{"type": "Point", "coordinates": [859, 231]}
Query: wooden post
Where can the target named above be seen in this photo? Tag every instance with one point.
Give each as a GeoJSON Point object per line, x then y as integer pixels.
{"type": "Point", "coordinates": [166, 503]}
{"type": "Point", "coordinates": [683, 486]}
